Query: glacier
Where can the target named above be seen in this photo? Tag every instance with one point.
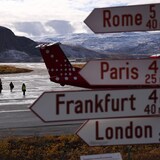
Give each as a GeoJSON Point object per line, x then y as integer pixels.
{"type": "Point", "coordinates": [139, 44]}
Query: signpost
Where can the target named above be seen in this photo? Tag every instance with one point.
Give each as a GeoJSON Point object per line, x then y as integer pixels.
{"type": "Point", "coordinates": [63, 106]}
{"type": "Point", "coordinates": [124, 19]}
{"type": "Point", "coordinates": [120, 131]}
{"type": "Point", "coordinates": [122, 72]}
{"type": "Point", "coordinates": [115, 117]}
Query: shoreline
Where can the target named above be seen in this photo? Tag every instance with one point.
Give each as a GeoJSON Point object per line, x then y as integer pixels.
{"type": "Point", "coordinates": [10, 69]}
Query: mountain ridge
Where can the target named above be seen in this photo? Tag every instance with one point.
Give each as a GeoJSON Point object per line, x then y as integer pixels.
{"type": "Point", "coordinates": [81, 46]}
{"type": "Point", "coordinates": [22, 49]}
{"type": "Point", "coordinates": [115, 45]}
{"type": "Point", "coordinates": [15, 48]}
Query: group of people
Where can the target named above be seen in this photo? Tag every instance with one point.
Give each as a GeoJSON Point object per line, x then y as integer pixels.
{"type": "Point", "coordinates": [11, 85]}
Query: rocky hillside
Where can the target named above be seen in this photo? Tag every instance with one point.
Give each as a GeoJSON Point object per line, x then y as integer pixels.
{"type": "Point", "coordinates": [17, 49]}
{"type": "Point", "coordinates": [21, 49]}
{"type": "Point", "coordinates": [81, 46]}
{"type": "Point", "coordinates": [114, 45]}
{"type": "Point", "coordinates": [80, 53]}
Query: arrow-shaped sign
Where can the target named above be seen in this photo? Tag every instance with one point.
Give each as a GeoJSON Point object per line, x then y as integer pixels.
{"type": "Point", "coordinates": [121, 131]}
{"type": "Point", "coordinates": [124, 19]}
{"type": "Point", "coordinates": [122, 72]}
{"type": "Point", "coordinates": [62, 106]}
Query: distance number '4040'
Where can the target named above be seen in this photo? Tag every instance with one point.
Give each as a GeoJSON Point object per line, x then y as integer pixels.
{"type": "Point", "coordinates": [152, 108]}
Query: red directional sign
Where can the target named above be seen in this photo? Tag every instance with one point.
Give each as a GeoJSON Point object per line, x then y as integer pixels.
{"type": "Point", "coordinates": [63, 106]}
{"type": "Point", "coordinates": [121, 131]}
{"type": "Point", "coordinates": [122, 72]}
{"type": "Point", "coordinates": [124, 19]}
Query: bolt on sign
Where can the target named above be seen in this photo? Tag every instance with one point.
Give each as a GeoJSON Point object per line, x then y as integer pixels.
{"type": "Point", "coordinates": [124, 19]}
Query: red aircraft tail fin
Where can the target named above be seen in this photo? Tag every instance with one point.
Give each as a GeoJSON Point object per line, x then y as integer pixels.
{"type": "Point", "coordinates": [59, 68]}
{"type": "Point", "coordinates": [155, 56]}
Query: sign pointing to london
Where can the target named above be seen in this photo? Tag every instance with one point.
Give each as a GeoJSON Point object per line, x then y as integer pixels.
{"type": "Point", "coordinates": [124, 19]}
{"type": "Point", "coordinates": [122, 72]}
{"type": "Point", "coordinates": [62, 106]}
{"type": "Point", "coordinates": [120, 131]}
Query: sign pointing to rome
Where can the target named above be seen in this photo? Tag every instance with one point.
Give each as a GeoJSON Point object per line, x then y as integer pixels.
{"type": "Point", "coordinates": [122, 72]}
{"type": "Point", "coordinates": [120, 131]}
{"type": "Point", "coordinates": [62, 106]}
{"type": "Point", "coordinates": [124, 19]}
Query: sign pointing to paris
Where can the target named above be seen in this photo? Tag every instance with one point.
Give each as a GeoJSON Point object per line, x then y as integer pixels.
{"type": "Point", "coordinates": [122, 72]}
{"type": "Point", "coordinates": [120, 131]}
{"type": "Point", "coordinates": [124, 19]}
{"type": "Point", "coordinates": [63, 106]}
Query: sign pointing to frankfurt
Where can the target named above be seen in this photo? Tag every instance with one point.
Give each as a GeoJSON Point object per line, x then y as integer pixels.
{"type": "Point", "coordinates": [62, 106]}
{"type": "Point", "coordinates": [120, 131]}
{"type": "Point", "coordinates": [124, 19]}
{"type": "Point", "coordinates": [122, 72]}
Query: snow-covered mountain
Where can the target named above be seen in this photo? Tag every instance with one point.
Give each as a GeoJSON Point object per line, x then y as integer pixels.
{"type": "Point", "coordinates": [84, 46]}
{"type": "Point", "coordinates": [116, 45]}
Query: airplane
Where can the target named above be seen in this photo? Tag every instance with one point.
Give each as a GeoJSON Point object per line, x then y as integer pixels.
{"type": "Point", "coordinates": [155, 56]}
{"type": "Point", "coordinates": [63, 72]}
{"type": "Point", "coordinates": [59, 67]}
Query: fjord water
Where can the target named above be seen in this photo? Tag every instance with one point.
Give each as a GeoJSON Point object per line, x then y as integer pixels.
{"type": "Point", "coordinates": [36, 82]}
{"type": "Point", "coordinates": [16, 117]}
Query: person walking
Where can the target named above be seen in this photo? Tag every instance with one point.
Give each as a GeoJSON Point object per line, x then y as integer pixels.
{"type": "Point", "coordinates": [24, 88]}
{"type": "Point", "coordinates": [1, 87]}
{"type": "Point", "coordinates": [11, 86]}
